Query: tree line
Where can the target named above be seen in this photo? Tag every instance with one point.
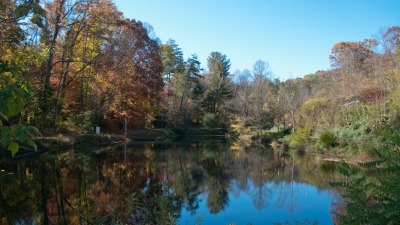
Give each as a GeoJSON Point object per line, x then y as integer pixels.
{"type": "Point", "coordinates": [78, 63]}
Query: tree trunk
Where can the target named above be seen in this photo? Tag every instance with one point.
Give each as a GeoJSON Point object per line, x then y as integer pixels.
{"type": "Point", "coordinates": [293, 120]}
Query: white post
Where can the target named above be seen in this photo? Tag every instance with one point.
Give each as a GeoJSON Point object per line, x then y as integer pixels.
{"type": "Point", "coordinates": [96, 129]}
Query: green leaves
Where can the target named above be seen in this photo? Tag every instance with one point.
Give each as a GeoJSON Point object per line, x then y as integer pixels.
{"type": "Point", "coordinates": [22, 10]}
{"type": "Point", "coordinates": [172, 59]}
{"type": "Point", "coordinates": [32, 144]}
{"type": "Point", "coordinates": [14, 134]}
{"type": "Point", "coordinates": [14, 96]}
{"type": "Point", "coordinates": [38, 13]}
{"type": "Point", "coordinates": [38, 10]}
{"type": "Point", "coordinates": [13, 147]}
{"type": "Point", "coordinates": [37, 20]}
{"type": "Point", "coordinates": [7, 138]}
{"type": "Point", "coordinates": [29, 7]}
{"type": "Point", "coordinates": [372, 189]}
{"type": "Point", "coordinates": [218, 64]}
{"type": "Point", "coordinates": [2, 117]}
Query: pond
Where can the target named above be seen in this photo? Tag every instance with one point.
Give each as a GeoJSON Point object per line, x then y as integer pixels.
{"type": "Point", "coordinates": [204, 182]}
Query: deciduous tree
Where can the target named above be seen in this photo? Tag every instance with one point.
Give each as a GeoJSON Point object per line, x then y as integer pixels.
{"type": "Point", "coordinates": [261, 93]}
{"type": "Point", "coordinates": [292, 95]}
{"type": "Point", "coordinates": [128, 75]}
{"type": "Point", "coordinates": [392, 39]}
{"type": "Point", "coordinates": [351, 55]}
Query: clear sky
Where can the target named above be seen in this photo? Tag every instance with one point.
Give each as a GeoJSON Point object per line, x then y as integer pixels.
{"type": "Point", "coordinates": [294, 36]}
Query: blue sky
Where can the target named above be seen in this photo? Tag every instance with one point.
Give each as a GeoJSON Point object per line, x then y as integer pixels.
{"type": "Point", "coordinates": [294, 36]}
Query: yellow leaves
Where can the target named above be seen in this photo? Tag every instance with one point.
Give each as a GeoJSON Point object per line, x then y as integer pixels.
{"type": "Point", "coordinates": [8, 77]}
{"type": "Point", "coordinates": [13, 147]}
{"type": "Point", "coordinates": [313, 103]}
{"type": "Point", "coordinates": [234, 147]}
{"type": "Point", "coordinates": [313, 109]}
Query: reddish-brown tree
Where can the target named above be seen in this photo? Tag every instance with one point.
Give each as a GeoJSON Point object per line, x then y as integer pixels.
{"type": "Point", "coordinates": [128, 74]}
{"type": "Point", "coordinates": [351, 55]}
{"type": "Point", "coordinates": [392, 39]}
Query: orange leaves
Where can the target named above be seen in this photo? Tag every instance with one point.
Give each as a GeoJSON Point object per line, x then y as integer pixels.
{"type": "Point", "coordinates": [129, 71]}
{"type": "Point", "coordinates": [351, 55]}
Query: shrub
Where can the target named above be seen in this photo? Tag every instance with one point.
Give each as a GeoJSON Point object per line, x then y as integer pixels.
{"type": "Point", "coordinates": [328, 138]}
{"type": "Point", "coordinates": [302, 135]}
{"type": "Point", "coordinates": [210, 121]}
{"type": "Point", "coordinates": [287, 139]}
{"type": "Point", "coordinates": [372, 189]}
{"type": "Point", "coordinates": [75, 122]}
{"type": "Point", "coordinates": [266, 139]}
{"type": "Point", "coordinates": [312, 110]}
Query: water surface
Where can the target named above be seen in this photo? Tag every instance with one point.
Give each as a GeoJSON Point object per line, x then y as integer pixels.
{"type": "Point", "coordinates": [207, 182]}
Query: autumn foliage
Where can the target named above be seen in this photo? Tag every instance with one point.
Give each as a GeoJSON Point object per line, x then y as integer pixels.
{"type": "Point", "coordinates": [127, 80]}
{"type": "Point", "coordinates": [89, 65]}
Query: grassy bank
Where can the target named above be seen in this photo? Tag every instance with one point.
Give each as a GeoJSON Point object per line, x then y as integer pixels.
{"type": "Point", "coordinates": [73, 140]}
{"type": "Point", "coordinates": [70, 141]}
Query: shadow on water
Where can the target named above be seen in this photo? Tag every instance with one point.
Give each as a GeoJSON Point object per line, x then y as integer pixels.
{"type": "Point", "coordinates": [165, 183]}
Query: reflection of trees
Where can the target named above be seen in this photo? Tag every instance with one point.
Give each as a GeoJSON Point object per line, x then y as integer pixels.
{"type": "Point", "coordinates": [185, 176]}
{"type": "Point", "coordinates": [217, 197]}
{"type": "Point", "coordinates": [218, 182]}
{"type": "Point", "coordinates": [19, 193]}
{"type": "Point", "coordinates": [142, 183]}
{"type": "Point", "coordinates": [193, 190]}
{"type": "Point", "coordinates": [260, 175]}
{"type": "Point", "coordinates": [261, 196]}
{"type": "Point", "coordinates": [218, 170]}
{"type": "Point", "coordinates": [200, 165]}
{"type": "Point", "coordinates": [78, 189]}
{"type": "Point", "coordinates": [287, 198]}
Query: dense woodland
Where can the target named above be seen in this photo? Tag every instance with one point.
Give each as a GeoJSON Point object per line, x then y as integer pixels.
{"type": "Point", "coordinates": [67, 65]}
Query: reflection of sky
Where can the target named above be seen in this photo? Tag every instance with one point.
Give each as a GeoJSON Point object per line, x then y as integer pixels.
{"type": "Point", "coordinates": [271, 203]}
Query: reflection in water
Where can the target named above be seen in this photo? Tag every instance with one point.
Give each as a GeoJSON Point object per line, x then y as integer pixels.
{"type": "Point", "coordinates": [167, 184]}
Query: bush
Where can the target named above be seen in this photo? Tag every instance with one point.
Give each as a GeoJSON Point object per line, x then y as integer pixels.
{"type": "Point", "coordinates": [356, 140]}
{"type": "Point", "coordinates": [75, 122]}
{"type": "Point", "coordinates": [287, 139]}
{"type": "Point", "coordinates": [210, 121]}
{"type": "Point", "coordinates": [266, 139]}
{"type": "Point", "coordinates": [302, 135]}
{"type": "Point", "coordinates": [328, 138]}
{"type": "Point", "coordinates": [372, 189]}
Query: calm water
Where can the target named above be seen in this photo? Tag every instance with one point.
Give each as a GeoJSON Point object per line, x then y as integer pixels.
{"type": "Point", "coordinates": [208, 182]}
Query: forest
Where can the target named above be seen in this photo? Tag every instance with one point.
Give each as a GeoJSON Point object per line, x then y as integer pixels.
{"type": "Point", "coordinates": [69, 65]}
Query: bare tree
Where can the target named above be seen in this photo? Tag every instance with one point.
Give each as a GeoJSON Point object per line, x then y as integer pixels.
{"type": "Point", "coordinates": [293, 95]}
{"type": "Point", "coordinates": [262, 68]}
